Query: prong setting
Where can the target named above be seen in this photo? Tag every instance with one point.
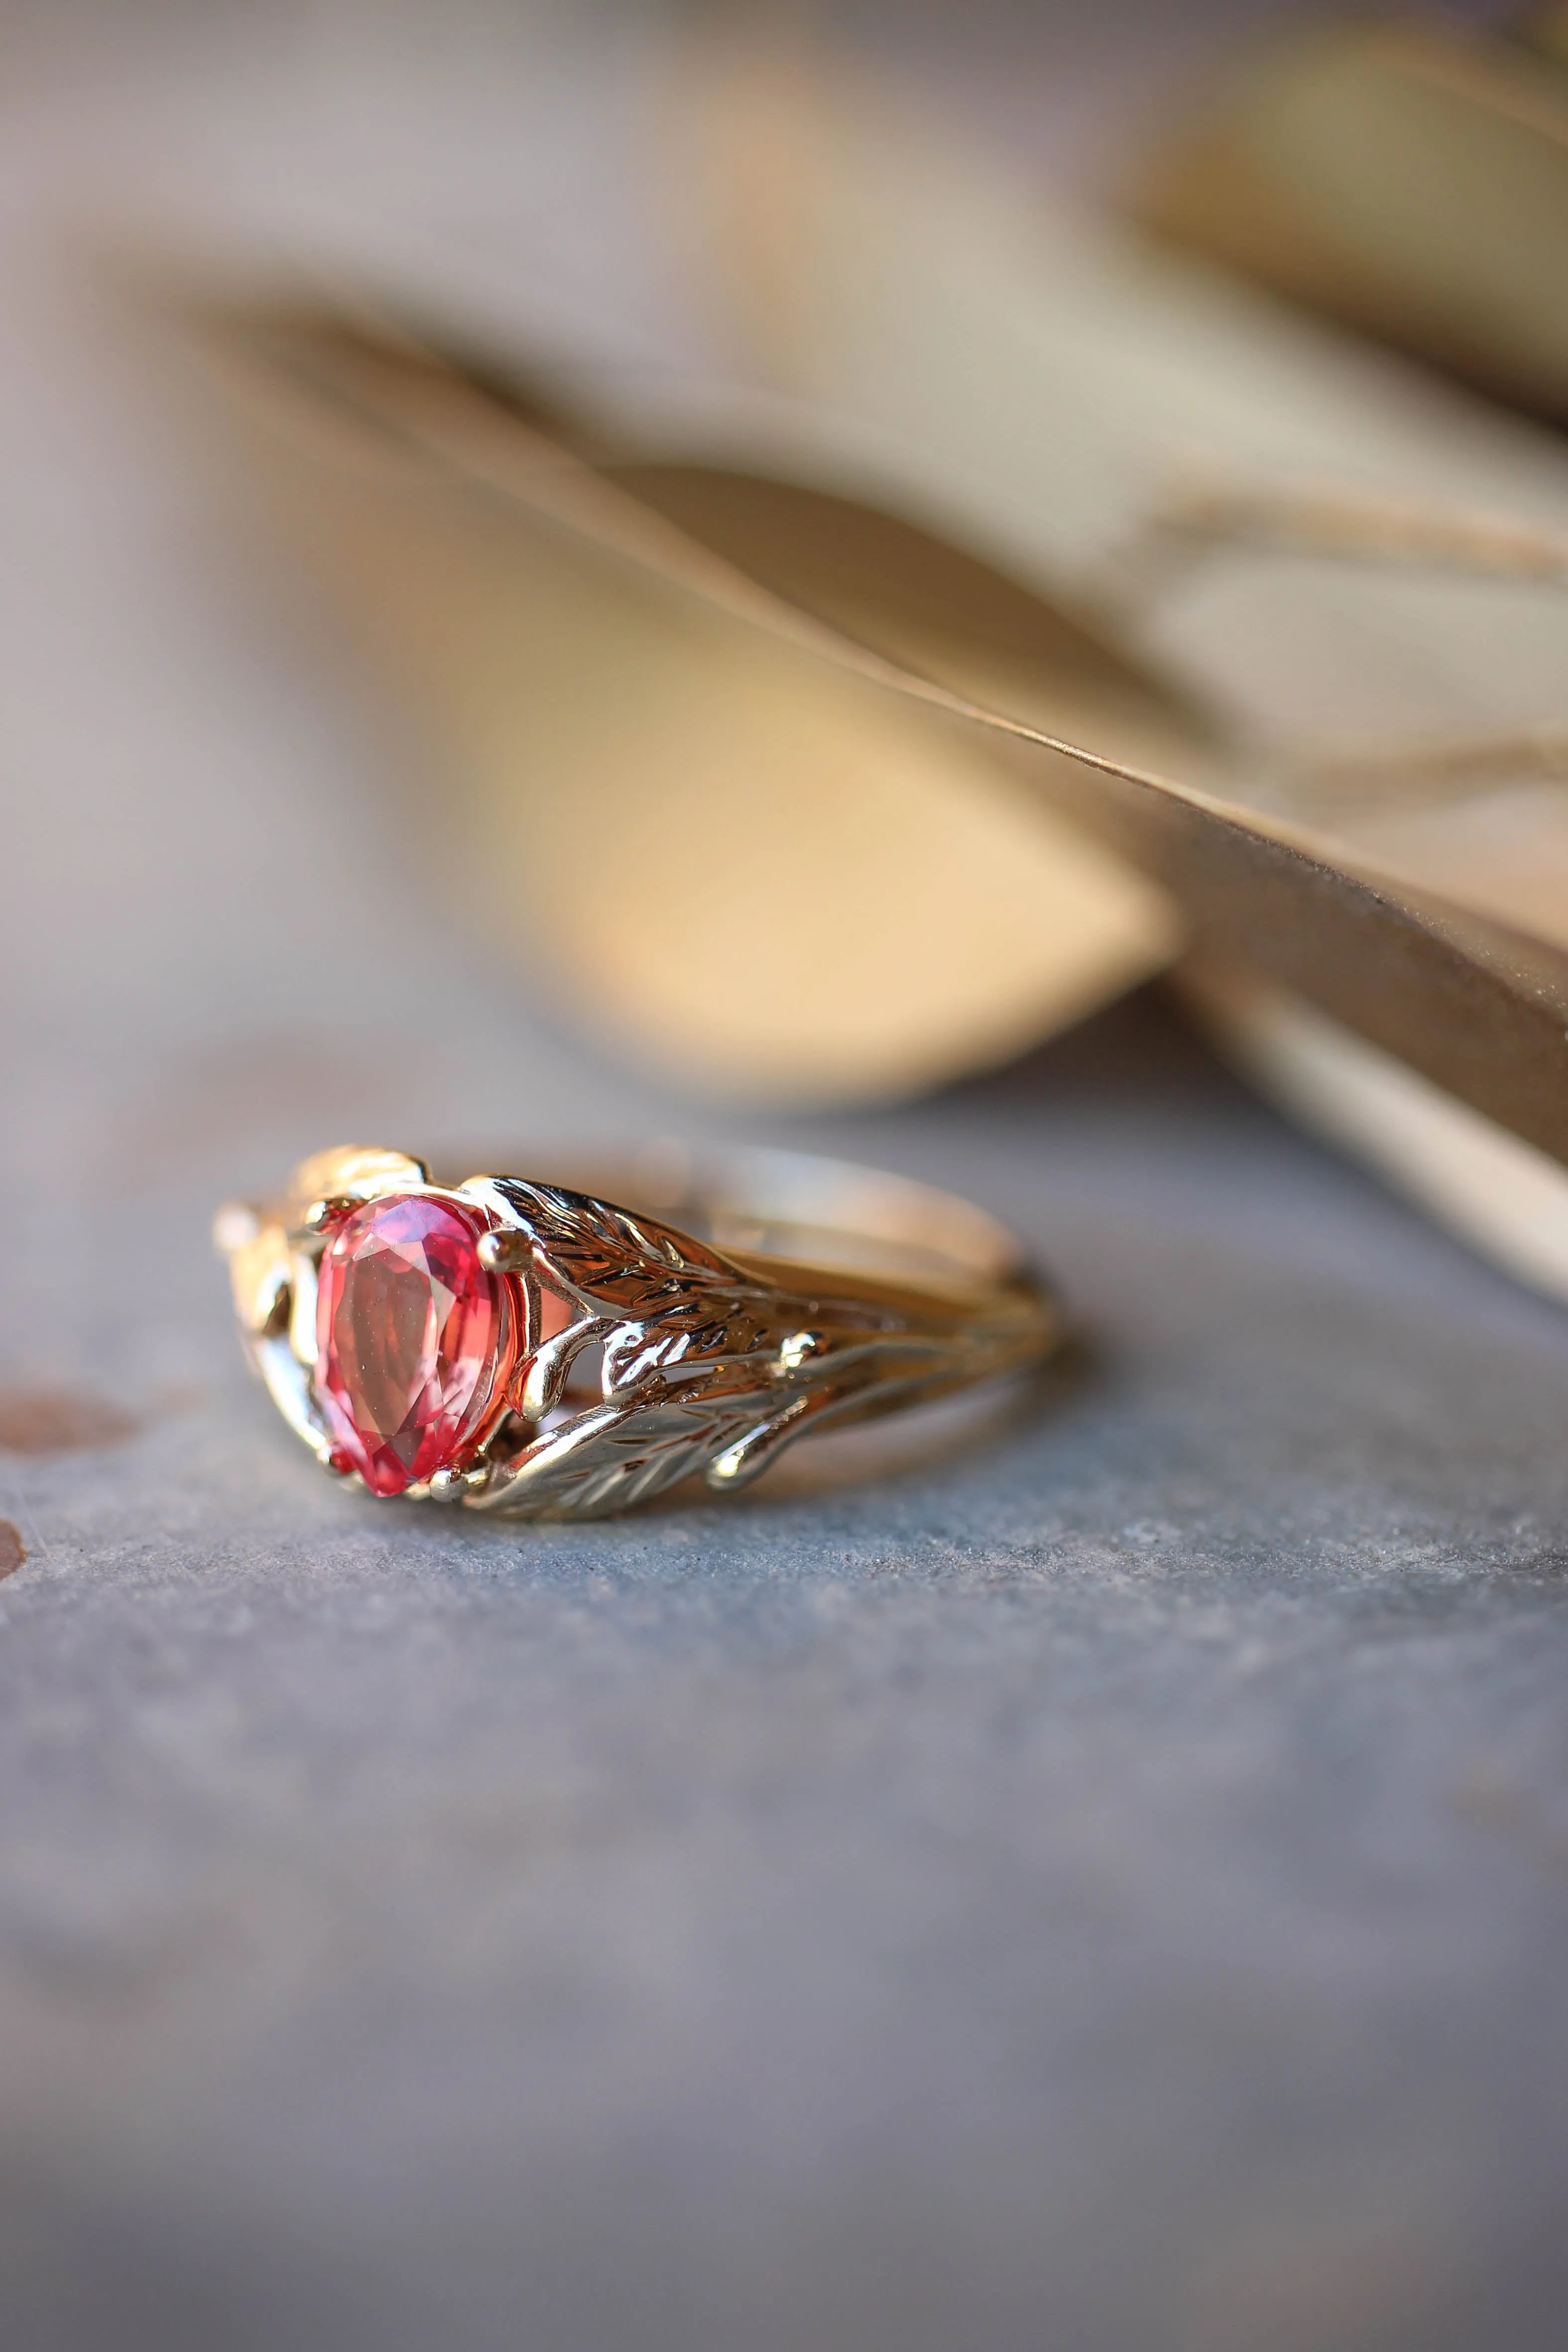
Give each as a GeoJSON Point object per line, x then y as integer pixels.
{"type": "Point", "coordinates": [503, 1251]}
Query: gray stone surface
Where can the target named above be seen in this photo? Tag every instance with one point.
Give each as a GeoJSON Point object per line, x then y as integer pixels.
{"type": "Point", "coordinates": [1101, 1884]}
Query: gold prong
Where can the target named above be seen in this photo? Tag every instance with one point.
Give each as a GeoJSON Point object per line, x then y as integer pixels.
{"type": "Point", "coordinates": [320, 1213]}
{"type": "Point", "coordinates": [505, 1253]}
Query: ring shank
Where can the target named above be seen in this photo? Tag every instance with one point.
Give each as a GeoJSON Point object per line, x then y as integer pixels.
{"type": "Point", "coordinates": [825, 1214]}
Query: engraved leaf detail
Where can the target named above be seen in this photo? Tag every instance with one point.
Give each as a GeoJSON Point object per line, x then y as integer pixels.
{"type": "Point", "coordinates": [620, 1454]}
{"type": "Point", "coordinates": [676, 1303]}
{"type": "Point", "coordinates": [697, 1370]}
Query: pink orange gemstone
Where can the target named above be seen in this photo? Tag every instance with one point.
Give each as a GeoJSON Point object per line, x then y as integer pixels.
{"type": "Point", "coordinates": [415, 1341]}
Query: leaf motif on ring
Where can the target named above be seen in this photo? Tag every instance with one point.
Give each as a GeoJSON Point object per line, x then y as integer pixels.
{"type": "Point", "coordinates": [704, 1369]}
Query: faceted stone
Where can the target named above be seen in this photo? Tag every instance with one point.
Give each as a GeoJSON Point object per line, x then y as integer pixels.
{"type": "Point", "coordinates": [416, 1341]}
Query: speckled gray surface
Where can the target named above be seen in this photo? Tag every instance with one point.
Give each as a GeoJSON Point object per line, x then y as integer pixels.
{"type": "Point", "coordinates": [1105, 1885]}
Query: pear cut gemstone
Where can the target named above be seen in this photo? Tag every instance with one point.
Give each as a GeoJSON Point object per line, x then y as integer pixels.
{"type": "Point", "coordinates": [416, 1341]}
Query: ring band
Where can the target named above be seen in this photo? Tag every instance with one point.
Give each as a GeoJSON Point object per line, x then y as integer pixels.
{"type": "Point", "coordinates": [436, 1340]}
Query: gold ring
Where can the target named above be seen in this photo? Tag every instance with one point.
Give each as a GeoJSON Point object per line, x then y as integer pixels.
{"type": "Point", "coordinates": [440, 1341]}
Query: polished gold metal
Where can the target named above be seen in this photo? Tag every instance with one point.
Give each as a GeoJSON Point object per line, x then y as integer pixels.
{"type": "Point", "coordinates": [771, 1297]}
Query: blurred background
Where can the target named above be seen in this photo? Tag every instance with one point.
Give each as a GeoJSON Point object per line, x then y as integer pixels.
{"type": "Point", "coordinates": [1104, 1886]}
